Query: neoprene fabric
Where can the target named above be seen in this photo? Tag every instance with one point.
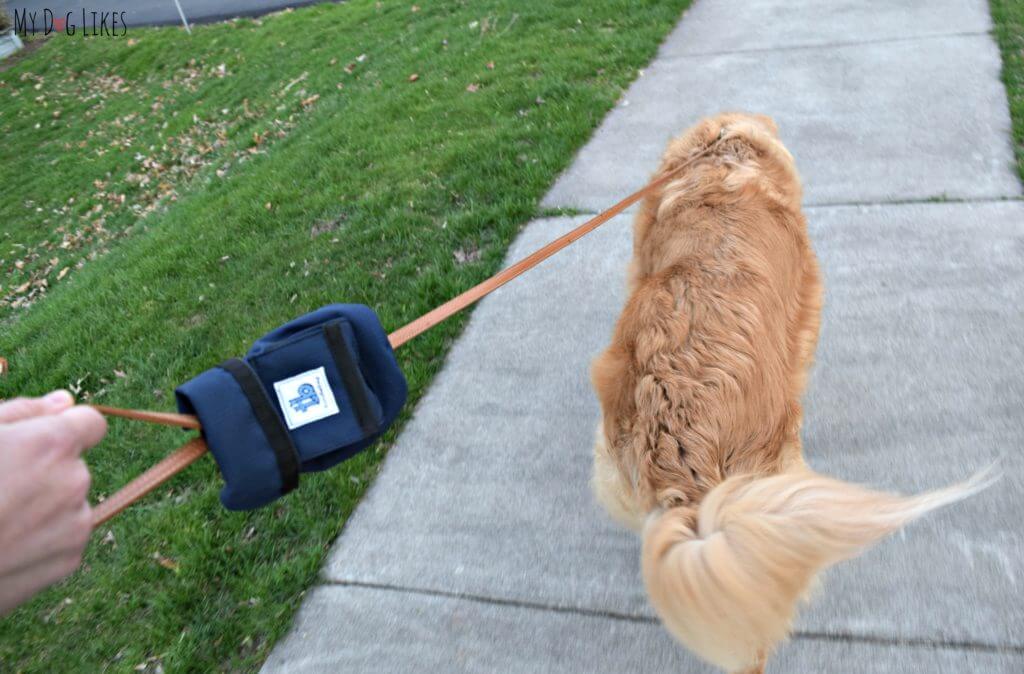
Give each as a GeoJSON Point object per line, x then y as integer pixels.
{"type": "Point", "coordinates": [308, 395]}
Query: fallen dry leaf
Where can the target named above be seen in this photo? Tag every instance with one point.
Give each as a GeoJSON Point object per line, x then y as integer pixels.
{"type": "Point", "coordinates": [77, 387]}
{"type": "Point", "coordinates": [463, 256]}
{"type": "Point", "coordinates": [294, 82]}
{"type": "Point", "coordinates": [55, 612]}
{"type": "Point", "coordinates": [165, 562]}
{"type": "Point", "coordinates": [152, 665]}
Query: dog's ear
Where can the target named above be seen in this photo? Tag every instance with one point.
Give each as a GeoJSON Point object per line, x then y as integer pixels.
{"type": "Point", "coordinates": [729, 119]}
{"type": "Point", "coordinates": [768, 124]}
{"type": "Point", "coordinates": [760, 157]}
{"type": "Point", "coordinates": [693, 140]}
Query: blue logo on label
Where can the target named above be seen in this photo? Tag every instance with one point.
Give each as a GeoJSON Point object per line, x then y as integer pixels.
{"type": "Point", "coordinates": [307, 398]}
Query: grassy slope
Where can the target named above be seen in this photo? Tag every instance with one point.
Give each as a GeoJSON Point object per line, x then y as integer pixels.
{"type": "Point", "coordinates": [401, 175]}
{"type": "Point", "coordinates": [1008, 17]}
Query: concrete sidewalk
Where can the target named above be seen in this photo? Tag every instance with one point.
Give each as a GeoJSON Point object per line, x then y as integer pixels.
{"type": "Point", "coordinates": [480, 548]}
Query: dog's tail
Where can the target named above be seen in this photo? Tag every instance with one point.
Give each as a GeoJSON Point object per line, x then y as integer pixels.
{"type": "Point", "coordinates": [725, 578]}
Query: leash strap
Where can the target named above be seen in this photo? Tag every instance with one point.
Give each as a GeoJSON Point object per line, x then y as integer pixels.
{"type": "Point", "coordinates": [171, 465]}
{"type": "Point", "coordinates": [184, 456]}
{"type": "Point", "coordinates": [162, 418]}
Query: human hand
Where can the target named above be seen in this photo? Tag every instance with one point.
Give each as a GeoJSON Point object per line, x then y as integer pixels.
{"type": "Point", "coordinates": [45, 518]}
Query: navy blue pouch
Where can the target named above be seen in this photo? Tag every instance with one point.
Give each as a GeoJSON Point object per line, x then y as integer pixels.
{"type": "Point", "coordinates": [308, 395]}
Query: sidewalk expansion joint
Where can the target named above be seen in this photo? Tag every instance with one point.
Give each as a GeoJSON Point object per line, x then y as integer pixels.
{"type": "Point", "coordinates": [911, 202]}
{"type": "Point", "coordinates": [917, 642]}
{"type": "Point", "coordinates": [854, 204]}
{"type": "Point", "coordinates": [832, 45]}
{"type": "Point", "coordinates": [498, 601]}
{"type": "Point", "coordinates": [803, 635]}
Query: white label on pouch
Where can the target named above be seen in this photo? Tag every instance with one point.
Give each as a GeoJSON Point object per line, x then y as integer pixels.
{"type": "Point", "coordinates": [306, 398]}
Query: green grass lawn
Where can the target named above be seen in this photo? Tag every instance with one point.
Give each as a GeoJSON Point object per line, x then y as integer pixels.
{"type": "Point", "coordinates": [1008, 18]}
{"type": "Point", "coordinates": [165, 200]}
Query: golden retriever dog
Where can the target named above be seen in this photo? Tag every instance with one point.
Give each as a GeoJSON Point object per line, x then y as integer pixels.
{"type": "Point", "coordinates": [699, 443]}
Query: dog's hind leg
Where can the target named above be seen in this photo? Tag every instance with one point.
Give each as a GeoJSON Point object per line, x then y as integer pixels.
{"type": "Point", "coordinates": [611, 489]}
{"type": "Point", "coordinates": [806, 324]}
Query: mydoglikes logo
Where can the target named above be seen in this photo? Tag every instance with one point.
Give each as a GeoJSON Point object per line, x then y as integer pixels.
{"type": "Point", "coordinates": [84, 22]}
{"type": "Point", "coordinates": [305, 398]}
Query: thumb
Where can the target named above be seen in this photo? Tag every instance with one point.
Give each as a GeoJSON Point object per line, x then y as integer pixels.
{"type": "Point", "coordinates": [20, 409]}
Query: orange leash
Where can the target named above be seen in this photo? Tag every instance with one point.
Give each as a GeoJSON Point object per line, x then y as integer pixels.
{"type": "Point", "coordinates": [168, 467]}
{"type": "Point", "coordinates": [185, 455]}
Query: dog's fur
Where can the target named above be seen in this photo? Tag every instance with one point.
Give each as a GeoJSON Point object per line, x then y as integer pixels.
{"type": "Point", "coordinates": [699, 445]}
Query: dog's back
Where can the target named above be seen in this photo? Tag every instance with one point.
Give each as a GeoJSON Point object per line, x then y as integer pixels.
{"type": "Point", "coordinates": [703, 377]}
{"type": "Point", "coordinates": [700, 387]}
